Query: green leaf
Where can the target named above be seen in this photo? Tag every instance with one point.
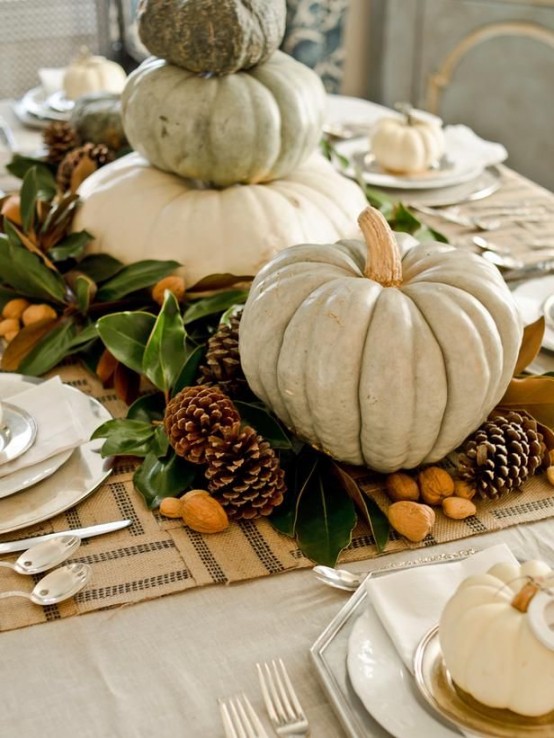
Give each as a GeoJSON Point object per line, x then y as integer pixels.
{"type": "Point", "coordinates": [160, 444]}
{"type": "Point", "coordinates": [189, 371]}
{"type": "Point", "coordinates": [265, 424]}
{"type": "Point", "coordinates": [48, 353]}
{"type": "Point", "coordinates": [71, 247]}
{"type": "Point", "coordinates": [135, 277]}
{"type": "Point", "coordinates": [38, 184]}
{"type": "Point", "coordinates": [219, 282]}
{"type": "Point", "coordinates": [214, 304]}
{"type": "Point", "coordinates": [100, 267]}
{"type": "Point", "coordinates": [228, 314]}
{"type": "Point", "coordinates": [325, 517]}
{"type": "Point", "coordinates": [157, 478]}
{"type": "Point", "coordinates": [298, 474]}
{"type": "Point", "coordinates": [84, 289]}
{"type": "Point", "coordinates": [20, 165]}
{"type": "Point", "coordinates": [148, 408]}
{"type": "Point", "coordinates": [125, 335]}
{"type": "Point", "coordinates": [85, 335]}
{"type": "Point", "coordinates": [125, 437]}
{"type": "Point", "coordinates": [165, 350]}
{"type": "Point", "coordinates": [26, 273]}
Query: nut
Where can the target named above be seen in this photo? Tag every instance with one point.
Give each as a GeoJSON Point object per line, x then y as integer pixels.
{"type": "Point", "coordinates": [11, 335]}
{"type": "Point", "coordinates": [173, 284]}
{"type": "Point", "coordinates": [402, 486]}
{"type": "Point", "coordinates": [8, 326]}
{"type": "Point", "coordinates": [171, 507]}
{"type": "Point", "coordinates": [464, 489]}
{"type": "Point", "coordinates": [202, 512]}
{"type": "Point", "coordinates": [458, 508]}
{"type": "Point", "coordinates": [550, 474]}
{"type": "Point", "coordinates": [11, 209]}
{"type": "Point", "coordinates": [34, 313]}
{"type": "Point", "coordinates": [411, 519]}
{"type": "Point", "coordinates": [14, 308]}
{"type": "Point", "coordinates": [435, 484]}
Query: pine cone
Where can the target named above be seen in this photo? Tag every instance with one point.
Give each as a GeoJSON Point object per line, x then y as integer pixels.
{"type": "Point", "coordinates": [59, 138]}
{"type": "Point", "coordinates": [222, 363]}
{"type": "Point", "coordinates": [502, 454]}
{"type": "Point", "coordinates": [244, 474]}
{"type": "Point", "coordinates": [96, 154]}
{"type": "Point", "coordinates": [194, 415]}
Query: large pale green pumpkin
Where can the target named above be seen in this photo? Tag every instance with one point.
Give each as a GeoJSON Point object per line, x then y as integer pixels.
{"type": "Point", "coordinates": [135, 211]}
{"type": "Point", "coordinates": [379, 361]}
{"type": "Point", "coordinates": [218, 36]}
{"type": "Point", "coordinates": [253, 126]}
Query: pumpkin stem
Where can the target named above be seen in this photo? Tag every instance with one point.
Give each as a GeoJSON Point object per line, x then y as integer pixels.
{"type": "Point", "coordinates": [383, 263]}
{"type": "Point", "coordinates": [523, 598]}
{"type": "Point", "coordinates": [407, 110]}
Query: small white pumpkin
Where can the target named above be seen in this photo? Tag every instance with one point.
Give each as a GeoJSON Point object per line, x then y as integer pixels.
{"type": "Point", "coordinates": [408, 144]}
{"type": "Point", "coordinates": [136, 211]}
{"type": "Point", "coordinates": [489, 644]}
{"type": "Point", "coordinates": [90, 73]}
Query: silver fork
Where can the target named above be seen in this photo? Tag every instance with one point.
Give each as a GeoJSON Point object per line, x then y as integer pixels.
{"type": "Point", "coordinates": [239, 718]}
{"type": "Point", "coordinates": [283, 707]}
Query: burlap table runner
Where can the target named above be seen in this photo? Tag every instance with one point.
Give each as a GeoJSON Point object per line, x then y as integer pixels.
{"type": "Point", "coordinates": [156, 556]}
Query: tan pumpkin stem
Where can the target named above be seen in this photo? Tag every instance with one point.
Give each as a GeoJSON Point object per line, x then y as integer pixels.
{"type": "Point", "coordinates": [383, 263]}
{"type": "Point", "coordinates": [523, 598]}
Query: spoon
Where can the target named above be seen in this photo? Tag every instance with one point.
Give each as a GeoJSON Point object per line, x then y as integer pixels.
{"type": "Point", "coordinates": [59, 585]}
{"type": "Point", "coordinates": [45, 555]}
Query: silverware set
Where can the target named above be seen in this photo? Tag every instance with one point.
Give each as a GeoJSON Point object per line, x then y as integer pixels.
{"type": "Point", "coordinates": [489, 221]}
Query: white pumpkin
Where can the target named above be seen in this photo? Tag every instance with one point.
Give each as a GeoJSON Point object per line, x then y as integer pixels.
{"type": "Point", "coordinates": [90, 73]}
{"type": "Point", "coordinates": [407, 144]}
{"type": "Point", "coordinates": [136, 211]}
{"type": "Point", "coordinates": [489, 644]}
{"type": "Point", "coordinates": [378, 361]}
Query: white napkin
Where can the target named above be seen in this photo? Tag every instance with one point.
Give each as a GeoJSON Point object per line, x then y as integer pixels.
{"type": "Point", "coordinates": [410, 602]}
{"type": "Point", "coordinates": [56, 413]}
{"type": "Point", "coordinates": [463, 144]}
{"type": "Point", "coordinates": [51, 79]}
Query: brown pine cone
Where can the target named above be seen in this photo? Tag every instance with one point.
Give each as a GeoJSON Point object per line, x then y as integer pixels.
{"type": "Point", "coordinates": [195, 414]}
{"type": "Point", "coordinates": [502, 454]}
{"type": "Point", "coordinates": [89, 156]}
{"type": "Point", "coordinates": [244, 474]}
{"type": "Point", "coordinates": [59, 138]}
{"type": "Point", "coordinates": [222, 362]}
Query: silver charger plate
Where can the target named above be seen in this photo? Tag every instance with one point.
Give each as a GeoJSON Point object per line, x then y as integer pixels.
{"type": "Point", "coordinates": [438, 689]}
{"type": "Point", "coordinates": [17, 432]}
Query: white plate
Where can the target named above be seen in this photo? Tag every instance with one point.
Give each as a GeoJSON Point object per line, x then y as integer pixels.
{"type": "Point", "coordinates": [384, 685]}
{"type": "Point", "coordinates": [530, 298]}
{"type": "Point", "coordinates": [24, 478]}
{"type": "Point", "coordinates": [34, 109]}
{"type": "Point", "coordinates": [80, 476]}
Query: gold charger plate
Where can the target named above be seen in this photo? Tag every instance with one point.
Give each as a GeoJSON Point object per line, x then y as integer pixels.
{"type": "Point", "coordinates": [440, 692]}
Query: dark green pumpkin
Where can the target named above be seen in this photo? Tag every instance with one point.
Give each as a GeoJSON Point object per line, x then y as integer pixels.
{"type": "Point", "coordinates": [218, 36]}
{"type": "Point", "coordinates": [97, 118]}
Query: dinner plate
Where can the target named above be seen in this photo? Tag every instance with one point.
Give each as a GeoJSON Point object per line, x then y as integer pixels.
{"type": "Point", "coordinates": [438, 689]}
{"type": "Point", "coordinates": [69, 483]}
{"type": "Point", "coordinates": [23, 478]}
{"type": "Point", "coordinates": [531, 298]}
{"type": "Point", "coordinates": [37, 103]}
{"type": "Point", "coordinates": [17, 432]}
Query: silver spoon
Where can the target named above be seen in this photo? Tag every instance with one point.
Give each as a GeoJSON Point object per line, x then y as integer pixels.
{"type": "Point", "coordinates": [45, 555]}
{"type": "Point", "coordinates": [59, 585]}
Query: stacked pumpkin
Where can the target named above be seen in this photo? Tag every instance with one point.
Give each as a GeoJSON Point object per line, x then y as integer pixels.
{"type": "Point", "coordinates": [225, 129]}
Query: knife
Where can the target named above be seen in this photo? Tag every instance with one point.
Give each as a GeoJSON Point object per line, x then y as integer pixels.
{"type": "Point", "coordinates": [92, 530]}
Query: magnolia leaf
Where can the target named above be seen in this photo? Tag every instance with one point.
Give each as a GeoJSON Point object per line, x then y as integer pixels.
{"type": "Point", "coordinates": [214, 304]}
{"type": "Point", "coordinates": [100, 267]}
{"type": "Point", "coordinates": [325, 517]}
{"type": "Point", "coordinates": [135, 277]}
{"type": "Point", "coordinates": [189, 370]}
{"type": "Point", "coordinates": [160, 443]}
{"type": "Point", "coordinates": [85, 335]}
{"type": "Point", "coordinates": [17, 238]}
{"type": "Point", "coordinates": [85, 167]}
{"type": "Point", "coordinates": [371, 512]}
{"type": "Point", "coordinates": [59, 215]}
{"type": "Point", "coordinates": [148, 408]}
{"type": "Point", "coordinates": [165, 350]}
{"type": "Point", "coordinates": [531, 342]}
{"type": "Point", "coordinates": [125, 335]}
{"type": "Point", "coordinates": [230, 313]}
{"type": "Point", "coordinates": [20, 165]}
{"type": "Point", "coordinates": [105, 369]}
{"type": "Point", "coordinates": [50, 350]}
{"type": "Point", "coordinates": [125, 437]}
{"type": "Point", "coordinates": [298, 474]}
{"type": "Point", "coordinates": [71, 247]}
{"type": "Point", "coordinates": [27, 338]}
{"type": "Point", "coordinates": [38, 184]}
{"type": "Point", "coordinates": [265, 424]}
{"type": "Point", "coordinates": [126, 383]}
{"type": "Point", "coordinates": [27, 274]}
{"type": "Point", "coordinates": [157, 478]}
{"type": "Point", "coordinates": [535, 394]}
{"type": "Point", "coordinates": [218, 282]}
{"type": "Point", "coordinates": [83, 288]}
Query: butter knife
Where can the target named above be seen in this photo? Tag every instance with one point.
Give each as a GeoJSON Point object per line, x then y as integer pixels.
{"type": "Point", "coordinates": [92, 530]}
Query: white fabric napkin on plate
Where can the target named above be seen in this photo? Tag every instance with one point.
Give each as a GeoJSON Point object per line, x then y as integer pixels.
{"type": "Point", "coordinates": [463, 144]}
{"type": "Point", "coordinates": [410, 602]}
{"type": "Point", "coordinates": [56, 413]}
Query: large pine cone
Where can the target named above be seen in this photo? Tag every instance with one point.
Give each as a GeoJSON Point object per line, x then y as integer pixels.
{"type": "Point", "coordinates": [222, 363]}
{"type": "Point", "coordinates": [195, 414]}
{"type": "Point", "coordinates": [244, 474]}
{"type": "Point", "coordinates": [97, 154]}
{"type": "Point", "coordinates": [502, 454]}
{"type": "Point", "coordinates": [59, 138]}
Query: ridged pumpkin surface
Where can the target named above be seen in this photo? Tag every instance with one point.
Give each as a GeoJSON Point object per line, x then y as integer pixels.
{"type": "Point", "coordinates": [138, 212]}
{"type": "Point", "coordinates": [387, 377]}
{"type": "Point", "coordinates": [252, 126]}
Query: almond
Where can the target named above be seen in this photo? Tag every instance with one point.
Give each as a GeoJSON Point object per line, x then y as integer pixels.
{"type": "Point", "coordinates": [435, 484]}
{"type": "Point", "coordinates": [550, 474]}
{"type": "Point", "coordinates": [202, 512]}
{"type": "Point", "coordinates": [464, 489]}
{"type": "Point", "coordinates": [34, 313]}
{"type": "Point", "coordinates": [14, 308]}
{"type": "Point", "coordinates": [8, 326]}
{"type": "Point", "coordinates": [458, 508]}
{"type": "Point", "coordinates": [401, 486]}
{"type": "Point", "coordinates": [171, 507]}
{"type": "Point", "coordinates": [173, 284]}
{"type": "Point", "coordinates": [411, 519]}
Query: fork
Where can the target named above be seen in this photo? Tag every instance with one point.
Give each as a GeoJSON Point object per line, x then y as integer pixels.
{"type": "Point", "coordinates": [239, 718]}
{"type": "Point", "coordinates": [283, 707]}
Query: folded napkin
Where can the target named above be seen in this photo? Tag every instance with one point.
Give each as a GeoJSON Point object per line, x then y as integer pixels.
{"type": "Point", "coordinates": [57, 414]}
{"type": "Point", "coordinates": [409, 603]}
{"type": "Point", "coordinates": [464, 145]}
{"type": "Point", "coordinates": [51, 79]}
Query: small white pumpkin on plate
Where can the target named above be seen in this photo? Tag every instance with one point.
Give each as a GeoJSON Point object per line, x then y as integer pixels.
{"type": "Point", "coordinates": [88, 73]}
